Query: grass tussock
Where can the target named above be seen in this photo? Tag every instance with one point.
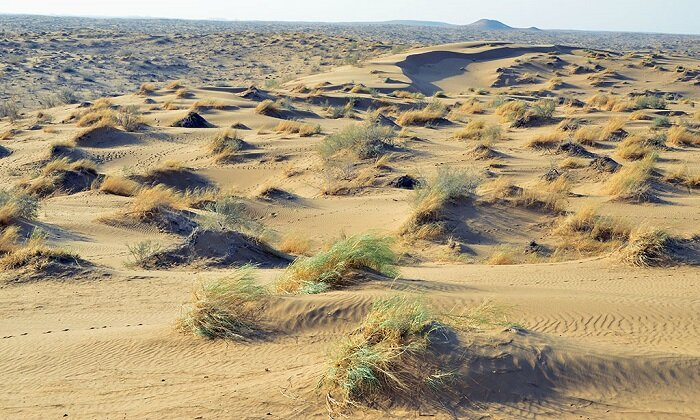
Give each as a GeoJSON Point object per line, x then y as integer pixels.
{"type": "Point", "coordinates": [361, 141]}
{"type": "Point", "coordinates": [381, 357]}
{"type": "Point", "coordinates": [117, 185]}
{"type": "Point", "coordinates": [634, 147]}
{"type": "Point", "coordinates": [478, 130]}
{"type": "Point", "coordinates": [295, 244]}
{"type": "Point", "coordinates": [146, 89]}
{"type": "Point", "coordinates": [151, 200]}
{"type": "Point", "coordinates": [432, 113]}
{"type": "Point", "coordinates": [683, 176]}
{"type": "Point", "coordinates": [207, 104]}
{"type": "Point", "coordinates": [425, 222]}
{"type": "Point", "coordinates": [227, 308]}
{"type": "Point", "coordinates": [225, 145]}
{"type": "Point", "coordinates": [632, 182]}
{"type": "Point", "coordinates": [330, 268]}
{"type": "Point", "coordinates": [647, 247]}
{"type": "Point", "coordinates": [588, 136]}
{"type": "Point", "coordinates": [546, 141]}
{"type": "Point", "coordinates": [681, 136]}
{"type": "Point", "coordinates": [294, 127]}
{"type": "Point", "coordinates": [267, 107]}
{"type": "Point", "coordinates": [50, 178]}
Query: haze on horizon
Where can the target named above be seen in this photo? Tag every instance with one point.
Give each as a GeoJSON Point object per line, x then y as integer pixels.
{"type": "Point", "coordinates": [678, 17]}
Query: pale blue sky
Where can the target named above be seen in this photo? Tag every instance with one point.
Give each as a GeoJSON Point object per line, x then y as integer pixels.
{"type": "Point", "coordinates": [672, 16]}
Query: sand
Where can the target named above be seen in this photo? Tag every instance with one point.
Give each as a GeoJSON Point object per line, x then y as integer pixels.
{"type": "Point", "coordinates": [597, 338]}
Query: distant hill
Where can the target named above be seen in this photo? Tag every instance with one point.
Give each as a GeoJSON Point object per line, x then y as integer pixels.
{"type": "Point", "coordinates": [489, 25]}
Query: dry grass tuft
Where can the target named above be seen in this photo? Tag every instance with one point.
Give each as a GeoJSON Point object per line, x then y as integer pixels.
{"type": "Point", "coordinates": [632, 182]}
{"type": "Point", "coordinates": [546, 141]}
{"type": "Point", "coordinates": [634, 148]}
{"type": "Point", "coordinates": [117, 185]}
{"type": "Point", "coordinates": [267, 107]}
{"type": "Point", "coordinates": [146, 89]}
{"type": "Point", "coordinates": [681, 136]}
{"type": "Point", "coordinates": [295, 244]}
{"type": "Point", "coordinates": [225, 145]}
{"type": "Point", "coordinates": [647, 247]}
{"type": "Point", "coordinates": [432, 113]}
{"type": "Point", "coordinates": [150, 200]}
{"type": "Point", "coordinates": [294, 127]}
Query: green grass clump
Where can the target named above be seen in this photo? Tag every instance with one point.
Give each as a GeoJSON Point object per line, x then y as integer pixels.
{"type": "Point", "coordinates": [228, 308]}
{"type": "Point", "coordinates": [362, 141]}
{"type": "Point", "coordinates": [330, 268]}
{"type": "Point", "coordinates": [376, 359]}
{"type": "Point", "coordinates": [448, 185]}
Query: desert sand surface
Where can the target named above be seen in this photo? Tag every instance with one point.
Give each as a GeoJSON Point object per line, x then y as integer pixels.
{"type": "Point", "coordinates": [542, 199]}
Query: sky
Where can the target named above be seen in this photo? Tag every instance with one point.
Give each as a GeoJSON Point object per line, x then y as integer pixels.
{"type": "Point", "coordinates": [669, 16]}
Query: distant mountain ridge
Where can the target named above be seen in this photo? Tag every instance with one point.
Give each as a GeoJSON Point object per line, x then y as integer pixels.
{"type": "Point", "coordinates": [479, 25]}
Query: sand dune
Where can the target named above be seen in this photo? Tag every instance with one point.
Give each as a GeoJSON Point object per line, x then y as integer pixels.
{"type": "Point", "coordinates": [582, 328]}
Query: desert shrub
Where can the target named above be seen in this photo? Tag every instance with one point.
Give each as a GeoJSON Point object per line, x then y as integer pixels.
{"type": "Point", "coordinates": [118, 185]}
{"type": "Point", "coordinates": [9, 108]}
{"type": "Point", "coordinates": [681, 136]}
{"type": "Point", "coordinates": [147, 89]}
{"type": "Point", "coordinates": [512, 110]}
{"type": "Point", "coordinates": [647, 247]}
{"type": "Point", "coordinates": [502, 256]}
{"type": "Point", "coordinates": [588, 135]}
{"type": "Point", "coordinates": [229, 213]}
{"type": "Point", "coordinates": [362, 141]}
{"type": "Point", "coordinates": [68, 96]}
{"type": "Point", "coordinates": [634, 148]}
{"type": "Point", "coordinates": [661, 122]}
{"type": "Point", "coordinates": [683, 176]}
{"type": "Point", "coordinates": [555, 83]}
{"type": "Point", "coordinates": [543, 109]}
{"type": "Point", "coordinates": [128, 118]}
{"type": "Point", "coordinates": [158, 198]}
{"type": "Point", "coordinates": [142, 251]}
{"type": "Point", "coordinates": [380, 358]}
{"type": "Point", "coordinates": [632, 181]}
{"type": "Point", "coordinates": [330, 268]}
{"type": "Point", "coordinates": [649, 102]}
{"type": "Point", "coordinates": [295, 244]}
{"type": "Point", "coordinates": [227, 308]}
{"type": "Point", "coordinates": [15, 206]}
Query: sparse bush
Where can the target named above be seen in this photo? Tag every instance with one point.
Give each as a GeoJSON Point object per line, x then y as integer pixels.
{"type": "Point", "coordinates": [146, 89]}
{"type": "Point", "coordinates": [228, 308]}
{"type": "Point", "coordinates": [267, 107]}
{"type": "Point", "coordinates": [128, 118]}
{"type": "Point", "coordinates": [15, 206]}
{"type": "Point", "coordinates": [661, 122]}
{"type": "Point", "coordinates": [10, 109]}
{"type": "Point", "coordinates": [330, 269]}
{"type": "Point", "coordinates": [650, 102]}
{"type": "Point", "coordinates": [229, 213]}
{"type": "Point", "coordinates": [142, 251]}
{"type": "Point", "coordinates": [544, 109]}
